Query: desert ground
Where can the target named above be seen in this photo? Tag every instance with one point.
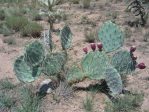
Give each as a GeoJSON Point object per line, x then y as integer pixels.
{"type": "Point", "coordinates": [78, 19]}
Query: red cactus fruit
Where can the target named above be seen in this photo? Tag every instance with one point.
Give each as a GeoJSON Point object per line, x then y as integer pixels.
{"type": "Point", "coordinates": [99, 45]}
{"type": "Point", "coordinates": [93, 46]}
{"type": "Point", "coordinates": [85, 50]}
{"type": "Point", "coordinates": [132, 49]}
{"type": "Point", "coordinates": [141, 66]}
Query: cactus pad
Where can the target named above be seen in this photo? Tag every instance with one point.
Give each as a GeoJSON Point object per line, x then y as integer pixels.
{"type": "Point", "coordinates": [66, 37]}
{"type": "Point", "coordinates": [111, 36]}
{"type": "Point", "coordinates": [94, 65]}
{"type": "Point", "coordinates": [54, 63]}
{"type": "Point", "coordinates": [113, 80]}
{"type": "Point", "coordinates": [34, 54]}
{"type": "Point", "coordinates": [123, 62]}
{"type": "Point", "coordinates": [75, 74]}
{"type": "Point", "coordinates": [25, 73]}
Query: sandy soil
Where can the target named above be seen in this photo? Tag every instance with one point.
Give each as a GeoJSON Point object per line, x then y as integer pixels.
{"type": "Point", "coordinates": [98, 13]}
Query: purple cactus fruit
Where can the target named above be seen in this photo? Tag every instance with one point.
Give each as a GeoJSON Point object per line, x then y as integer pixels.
{"type": "Point", "coordinates": [141, 66]}
{"type": "Point", "coordinates": [99, 45]}
{"type": "Point", "coordinates": [132, 49]}
{"type": "Point", "coordinates": [93, 46]}
{"type": "Point", "coordinates": [85, 50]}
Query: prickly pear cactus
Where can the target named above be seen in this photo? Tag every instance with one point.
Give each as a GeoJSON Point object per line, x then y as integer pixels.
{"type": "Point", "coordinates": [94, 64]}
{"type": "Point", "coordinates": [113, 80]}
{"type": "Point", "coordinates": [47, 40]}
{"type": "Point", "coordinates": [66, 37]}
{"type": "Point", "coordinates": [34, 54]}
{"type": "Point", "coordinates": [24, 72]}
{"type": "Point", "coordinates": [54, 63]}
{"type": "Point", "coordinates": [111, 36]}
{"type": "Point", "coordinates": [75, 74]}
{"type": "Point", "coordinates": [123, 62]}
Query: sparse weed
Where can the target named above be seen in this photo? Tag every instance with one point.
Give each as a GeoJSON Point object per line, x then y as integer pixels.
{"type": "Point", "coordinates": [6, 101]}
{"type": "Point", "coordinates": [10, 41]}
{"type": "Point", "coordinates": [5, 30]}
{"type": "Point", "coordinates": [30, 102]}
{"type": "Point", "coordinates": [6, 84]}
{"type": "Point", "coordinates": [88, 104]}
{"type": "Point", "coordinates": [127, 103]}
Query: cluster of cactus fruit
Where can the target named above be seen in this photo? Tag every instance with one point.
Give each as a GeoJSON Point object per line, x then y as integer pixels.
{"type": "Point", "coordinates": [37, 59]}
{"type": "Point", "coordinates": [99, 66]}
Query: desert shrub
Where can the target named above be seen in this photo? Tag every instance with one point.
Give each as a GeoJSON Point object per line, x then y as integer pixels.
{"type": "Point", "coordinates": [10, 41]}
{"type": "Point", "coordinates": [75, 1]}
{"type": "Point", "coordinates": [32, 29]}
{"type": "Point", "coordinates": [2, 14]}
{"type": "Point", "coordinates": [86, 3]}
{"type": "Point", "coordinates": [126, 103]}
{"type": "Point", "coordinates": [16, 23]}
{"type": "Point", "coordinates": [37, 17]}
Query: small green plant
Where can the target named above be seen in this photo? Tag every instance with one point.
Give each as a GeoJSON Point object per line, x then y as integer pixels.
{"type": "Point", "coordinates": [32, 29]}
{"type": "Point", "coordinates": [146, 36]}
{"type": "Point", "coordinates": [126, 103]}
{"type": "Point", "coordinates": [6, 101]}
{"type": "Point", "coordinates": [10, 41]}
{"type": "Point", "coordinates": [90, 35]}
{"type": "Point", "coordinates": [30, 102]}
{"type": "Point", "coordinates": [16, 23]}
{"type": "Point", "coordinates": [88, 104]}
{"type": "Point", "coordinates": [6, 84]}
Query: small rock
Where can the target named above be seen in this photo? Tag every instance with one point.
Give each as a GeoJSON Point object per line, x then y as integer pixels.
{"type": "Point", "coordinates": [46, 87]}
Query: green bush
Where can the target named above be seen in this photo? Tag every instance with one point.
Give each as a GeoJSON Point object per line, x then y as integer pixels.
{"type": "Point", "coordinates": [16, 23]}
{"type": "Point", "coordinates": [32, 29]}
{"type": "Point", "coordinates": [2, 14]}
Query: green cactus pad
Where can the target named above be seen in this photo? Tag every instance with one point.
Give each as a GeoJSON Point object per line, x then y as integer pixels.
{"type": "Point", "coordinates": [123, 62]}
{"type": "Point", "coordinates": [54, 63]}
{"type": "Point", "coordinates": [113, 80]}
{"type": "Point", "coordinates": [66, 37]}
{"type": "Point", "coordinates": [34, 54]}
{"type": "Point", "coordinates": [75, 74]}
{"type": "Point", "coordinates": [94, 65]}
{"type": "Point", "coordinates": [25, 73]}
{"type": "Point", "coordinates": [111, 36]}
